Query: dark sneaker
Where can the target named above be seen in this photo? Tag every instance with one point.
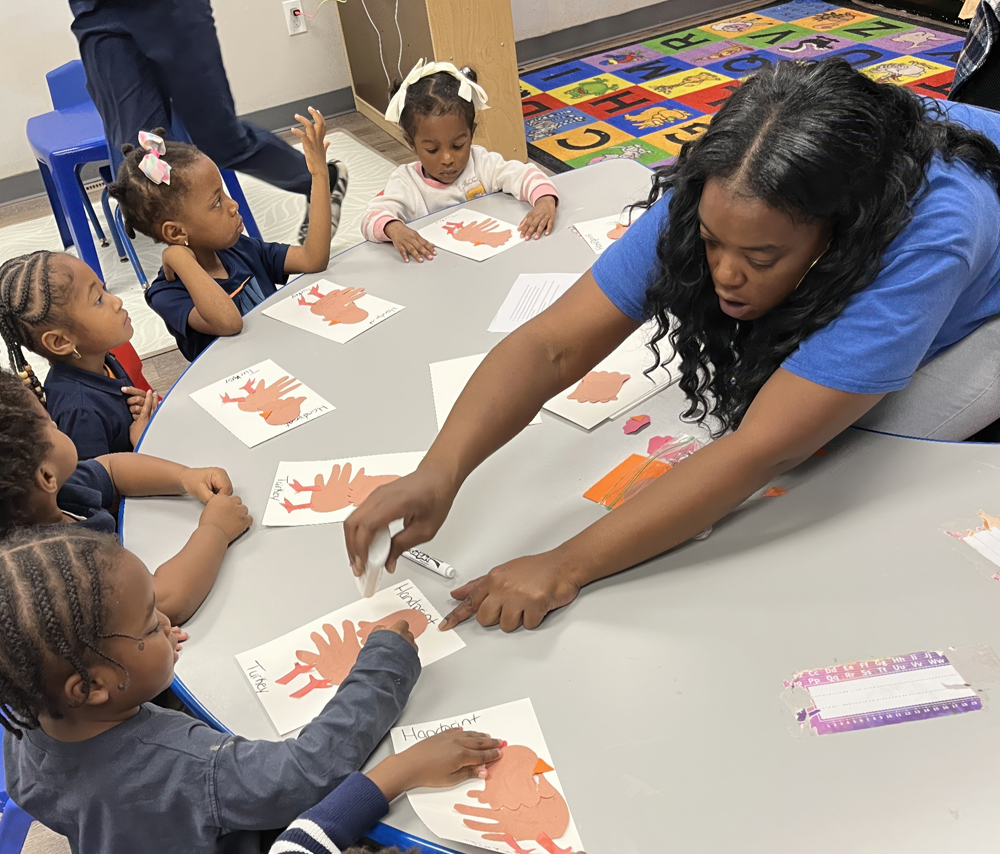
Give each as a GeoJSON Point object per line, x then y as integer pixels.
{"type": "Point", "coordinates": [338, 189]}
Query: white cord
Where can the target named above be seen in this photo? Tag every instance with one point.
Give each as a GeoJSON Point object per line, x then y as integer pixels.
{"type": "Point", "coordinates": [385, 70]}
{"type": "Point", "coordinates": [399, 61]}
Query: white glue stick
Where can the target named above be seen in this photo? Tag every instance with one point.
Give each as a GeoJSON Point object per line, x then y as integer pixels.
{"type": "Point", "coordinates": [436, 566]}
{"type": "Point", "coordinates": [378, 553]}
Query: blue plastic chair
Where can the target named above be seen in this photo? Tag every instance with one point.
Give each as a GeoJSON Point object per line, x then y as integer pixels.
{"type": "Point", "coordinates": [14, 822]}
{"type": "Point", "coordinates": [63, 141]}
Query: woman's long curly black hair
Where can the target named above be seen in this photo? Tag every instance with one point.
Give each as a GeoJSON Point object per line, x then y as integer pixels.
{"type": "Point", "coordinates": [820, 142]}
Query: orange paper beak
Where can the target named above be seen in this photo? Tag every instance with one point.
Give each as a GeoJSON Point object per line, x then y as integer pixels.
{"type": "Point", "coordinates": [541, 766]}
{"type": "Point", "coordinates": [264, 415]}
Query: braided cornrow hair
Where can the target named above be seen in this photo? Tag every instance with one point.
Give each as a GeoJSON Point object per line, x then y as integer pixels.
{"type": "Point", "coordinates": [436, 95]}
{"type": "Point", "coordinates": [53, 585]}
{"type": "Point", "coordinates": [146, 205]}
{"type": "Point", "coordinates": [23, 448]}
{"type": "Point", "coordinates": [31, 296]}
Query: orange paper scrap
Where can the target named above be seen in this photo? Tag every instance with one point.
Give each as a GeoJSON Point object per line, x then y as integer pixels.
{"type": "Point", "coordinates": [625, 480]}
{"type": "Point", "coordinates": [775, 492]}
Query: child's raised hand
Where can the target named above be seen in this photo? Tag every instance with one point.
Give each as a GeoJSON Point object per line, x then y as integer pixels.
{"type": "Point", "coordinates": [142, 405]}
{"type": "Point", "coordinates": [441, 760]}
{"type": "Point", "coordinates": [314, 144]}
{"type": "Point", "coordinates": [540, 220]}
{"type": "Point", "coordinates": [408, 242]}
{"type": "Point", "coordinates": [205, 483]}
{"type": "Point", "coordinates": [228, 513]}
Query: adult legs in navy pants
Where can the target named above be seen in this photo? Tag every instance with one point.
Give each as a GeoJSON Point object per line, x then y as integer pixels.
{"type": "Point", "coordinates": [150, 60]}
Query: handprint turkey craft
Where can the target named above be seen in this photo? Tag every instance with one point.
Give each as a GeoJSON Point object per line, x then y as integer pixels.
{"type": "Point", "coordinates": [322, 491]}
{"type": "Point", "coordinates": [260, 402]}
{"type": "Point", "coordinates": [295, 675]}
{"type": "Point", "coordinates": [471, 234]}
{"type": "Point", "coordinates": [336, 313]}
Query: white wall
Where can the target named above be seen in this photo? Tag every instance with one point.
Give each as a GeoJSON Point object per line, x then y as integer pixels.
{"type": "Point", "coordinates": [266, 66]}
{"type": "Point", "coordinates": [538, 17]}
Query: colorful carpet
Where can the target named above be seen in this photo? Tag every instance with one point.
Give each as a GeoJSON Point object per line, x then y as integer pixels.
{"type": "Point", "coordinates": [644, 101]}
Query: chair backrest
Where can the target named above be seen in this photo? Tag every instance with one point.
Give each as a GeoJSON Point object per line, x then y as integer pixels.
{"type": "Point", "coordinates": [68, 85]}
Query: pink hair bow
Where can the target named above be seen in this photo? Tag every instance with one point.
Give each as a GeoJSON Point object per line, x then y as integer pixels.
{"type": "Point", "coordinates": [157, 170]}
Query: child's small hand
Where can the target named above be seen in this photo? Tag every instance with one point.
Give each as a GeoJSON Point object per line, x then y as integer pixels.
{"type": "Point", "coordinates": [408, 242]}
{"type": "Point", "coordinates": [401, 628]}
{"type": "Point", "coordinates": [174, 257]}
{"type": "Point", "coordinates": [441, 760]}
{"type": "Point", "coordinates": [228, 513]}
{"type": "Point", "coordinates": [142, 405]}
{"type": "Point", "coordinates": [205, 483]}
{"type": "Point", "coordinates": [179, 635]}
{"type": "Point", "coordinates": [314, 145]}
{"type": "Point", "coordinates": [540, 220]}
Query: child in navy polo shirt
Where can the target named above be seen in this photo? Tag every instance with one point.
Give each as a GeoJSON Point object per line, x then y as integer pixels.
{"type": "Point", "coordinates": [42, 482]}
{"type": "Point", "coordinates": [54, 305]}
{"type": "Point", "coordinates": [212, 273]}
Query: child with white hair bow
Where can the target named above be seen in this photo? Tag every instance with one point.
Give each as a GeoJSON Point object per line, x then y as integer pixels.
{"type": "Point", "coordinates": [436, 108]}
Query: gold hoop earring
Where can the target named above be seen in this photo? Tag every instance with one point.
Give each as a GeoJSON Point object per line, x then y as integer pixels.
{"type": "Point", "coordinates": [814, 263]}
{"type": "Point", "coordinates": [76, 354]}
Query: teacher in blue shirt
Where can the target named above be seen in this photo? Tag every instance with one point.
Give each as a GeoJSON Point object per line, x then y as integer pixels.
{"type": "Point", "coordinates": [826, 254]}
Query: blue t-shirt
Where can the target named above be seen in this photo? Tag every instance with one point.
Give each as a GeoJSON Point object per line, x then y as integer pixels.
{"type": "Point", "coordinates": [940, 280]}
{"type": "Point", "coordinates": [254, 269]}
{"type": "Point", "coordinates": [90, 408]}
{"type": "Point", "coordinates": [89, 495]}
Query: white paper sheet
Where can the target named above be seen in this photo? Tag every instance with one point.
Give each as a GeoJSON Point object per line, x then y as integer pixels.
{"type": "Point", "coordinates": [471, 234]}
{"type": "Point", "coordinates": [331, 311]}
{"type": "Point", "coordinates": [630, 359]}
{"type": "Point", "coordinates": [602, 232]}
{"type": "Point", "coordinates": [324, 650]}
{"type": "Point", "coordinates": [322, 491]}
{"type": "Point", "coordinates": [531, 294]}
{"type": "Point", "coordinates": [260, 402]}
{"type": "Point", "coordinates": [449, 378]}
{"type": "Point", "coordinates": [541, 799]}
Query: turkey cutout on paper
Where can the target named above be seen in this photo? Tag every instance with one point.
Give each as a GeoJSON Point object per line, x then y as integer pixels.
{"type": "Point", "coordinates": [260, 402]}
{"type": "Point", "coordinates": [520, 808]}
{"type": "Point", "coordinates": [334, 312]}
{"type": "Point", "coordinates": [295, 675]}
{"type": "Point", "coordinates": [321, 491]}
{"type": "Point", "coordinates": [471, 234]}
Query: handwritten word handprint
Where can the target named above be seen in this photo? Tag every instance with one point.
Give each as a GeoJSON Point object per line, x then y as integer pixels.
{"type": "Point", "coordinates": [336, 306]}
{"type": "Point", "coordinates": [270, 401]}
{"type": "Point", "coordinates": [483, 233]}
{"type": "Point", "coordinates": [599, 387]}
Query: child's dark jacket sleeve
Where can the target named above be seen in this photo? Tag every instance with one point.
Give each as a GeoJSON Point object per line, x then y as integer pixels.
{"type": "Point", "coordinates": [258, 785]}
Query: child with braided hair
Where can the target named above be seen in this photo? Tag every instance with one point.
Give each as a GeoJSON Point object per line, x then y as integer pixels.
{"type": "Point", "coordinates": [212, 273]}
{"type": "Point", "coordinates": [42, 483]}
{"type": "Point", "coordinates": [54, 305]}
{"type": "Point", "coordinates": [84, 646]}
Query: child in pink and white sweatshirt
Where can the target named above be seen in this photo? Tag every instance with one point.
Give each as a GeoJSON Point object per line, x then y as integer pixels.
{"type": "Point", "coordinates": [436, 108]}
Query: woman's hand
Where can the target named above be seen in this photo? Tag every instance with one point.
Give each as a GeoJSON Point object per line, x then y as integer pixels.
{"type": "Point", "coordinates": [205, 483]}
{"type": "Point", "coordinates": [408, 242]}
{"type": "Point", "coordinates": [422, 500]}
{"type": "Point", "coordinates": [517, 593]}
{"type": "Point", "coordinates": [314, 145]}
{"type": "Point", "coordinates": [442, 760]}
{"type": "Point", "coordinates": [540, 220]}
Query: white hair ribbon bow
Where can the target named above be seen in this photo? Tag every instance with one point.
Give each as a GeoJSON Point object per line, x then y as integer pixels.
{"type": "Point", "coordinates": [467, 90]}
{"type": "Point", "coordinates": [157, 170]}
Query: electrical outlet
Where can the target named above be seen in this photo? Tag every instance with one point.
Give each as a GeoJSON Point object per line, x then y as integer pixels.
{"type": "Point", "coordinates": [294, 19]}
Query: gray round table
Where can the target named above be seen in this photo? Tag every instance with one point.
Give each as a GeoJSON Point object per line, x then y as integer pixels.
{"type": "Point", "coordinates": [658, 689]}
